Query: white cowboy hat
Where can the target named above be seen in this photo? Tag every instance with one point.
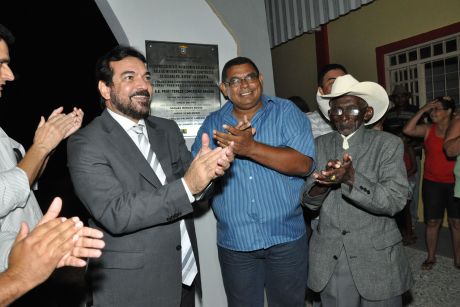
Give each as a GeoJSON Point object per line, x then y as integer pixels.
{"type": "Point", "coordinates": [374, 94]}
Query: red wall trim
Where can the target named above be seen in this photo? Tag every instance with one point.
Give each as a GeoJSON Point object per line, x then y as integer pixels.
{"type": "Point", "coordinates": [407, 42]}
{"type": "Point", "coordinates": [322, 47]}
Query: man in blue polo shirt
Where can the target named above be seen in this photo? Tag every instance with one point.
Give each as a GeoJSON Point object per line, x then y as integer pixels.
{"type": "Point", "coordinates": [261, 232]}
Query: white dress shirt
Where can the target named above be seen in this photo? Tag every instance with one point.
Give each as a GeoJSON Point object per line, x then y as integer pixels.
{"type": "Point", "coordinates": [17, 201]}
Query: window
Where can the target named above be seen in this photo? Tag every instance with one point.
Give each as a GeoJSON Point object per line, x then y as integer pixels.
{"type": "Point", "coordinates": [428, 65]}
{"type": "Point", "coordinates": [428, 70]}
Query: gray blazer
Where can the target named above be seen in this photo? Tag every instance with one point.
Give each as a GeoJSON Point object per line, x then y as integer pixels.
{"type": "Point", "coordinates": [141, 262]}
{"type": "Point", "coordinates": [361, 219]}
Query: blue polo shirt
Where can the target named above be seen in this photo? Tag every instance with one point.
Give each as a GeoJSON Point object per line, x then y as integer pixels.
{"type": "Point", "coordinates": [257, 207]}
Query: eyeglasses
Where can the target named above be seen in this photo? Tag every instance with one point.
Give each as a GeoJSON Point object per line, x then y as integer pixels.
{"type": "Point", "coordinates": [350, 111]}
{"type": "Point", "coordinates": [235, 81]}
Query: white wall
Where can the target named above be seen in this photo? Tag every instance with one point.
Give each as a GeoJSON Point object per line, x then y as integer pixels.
{"type": "Point", "coordinates": [238, 27]}
{"type": "Point", "coordinates": [246, 20]}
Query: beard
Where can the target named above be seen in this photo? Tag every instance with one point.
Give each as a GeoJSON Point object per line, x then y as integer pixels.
{"type": "Point", "coordinates": [130, 108]}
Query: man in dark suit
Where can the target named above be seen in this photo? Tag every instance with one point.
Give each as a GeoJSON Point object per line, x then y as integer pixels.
{"type": "Point", "coordinates": [140, 207]}
{"type": "Point", "coordinates": [356, 254]}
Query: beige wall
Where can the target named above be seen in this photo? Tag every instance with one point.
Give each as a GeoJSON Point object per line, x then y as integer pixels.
{"type": "Point", "coordinates": [294, 68]}
{"type": "Point", "coordinates": [353, 39]}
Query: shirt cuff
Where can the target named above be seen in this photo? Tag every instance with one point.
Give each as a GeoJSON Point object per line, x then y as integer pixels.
{"type": "Point", "coordinates": [191, 198]}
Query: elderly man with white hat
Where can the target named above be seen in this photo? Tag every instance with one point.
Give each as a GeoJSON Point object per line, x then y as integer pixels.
{"type": "Point", "coordinates": [356, 254]}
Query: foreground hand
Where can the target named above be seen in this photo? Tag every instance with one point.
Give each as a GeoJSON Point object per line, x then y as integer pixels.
{"type": "Point", "coordinates": [35, 255]}
{"type": "Point", "coordinates": [51, 132]}
{"type": "Point", "coordinates": [78, 120]}
{"type": "Point", "coordinates": [88, 245]}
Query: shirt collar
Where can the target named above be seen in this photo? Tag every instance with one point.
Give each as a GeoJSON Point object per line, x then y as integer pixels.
{"type": "Point", "coordinates": [124, 122]}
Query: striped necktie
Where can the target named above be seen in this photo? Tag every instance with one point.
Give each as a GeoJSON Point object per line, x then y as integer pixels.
{"type": "Point", "coordinates": [150, 156]}
{"type": "Point", "coordinates": [189, 268]}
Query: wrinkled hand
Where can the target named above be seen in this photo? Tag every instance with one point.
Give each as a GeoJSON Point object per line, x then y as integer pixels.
{"type": "Point", "coordinates": [207, 165]}
{"type": "Point", "coordinates": [337, 172]}
{"type": "Point", "coordinates": [88, 245]}
{"type": "Point", "coordinates": [242, 137]}
{"type": "Point", "coordinates": [35, 255]}
{"type": "Point", "coordinates": [51, 132]}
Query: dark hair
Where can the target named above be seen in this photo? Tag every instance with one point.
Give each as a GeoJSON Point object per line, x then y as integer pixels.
{"type": "Point", "coordinates": [328, 67]}
{"type": "Point", "coordinates": [300, 103]}
{"type": "Point", "coordinates": [6, 35]}
{"type": "Point", "coordinates": [104, 71]}
{"type": "Point", "coordinates": [237, 61]}
{"type": "Point", "coordinates": [447, 103]}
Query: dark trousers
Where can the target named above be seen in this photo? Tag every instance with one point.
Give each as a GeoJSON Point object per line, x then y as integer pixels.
{"type": "Point", "coordinates": [281, 270]}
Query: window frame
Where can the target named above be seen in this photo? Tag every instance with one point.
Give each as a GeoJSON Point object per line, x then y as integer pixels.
{"type": "Point", "coordinates": [383, 52]}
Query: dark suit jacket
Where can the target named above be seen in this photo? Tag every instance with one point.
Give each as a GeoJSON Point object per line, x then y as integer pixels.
{"type": "Point", "coordinates": [141, 262]}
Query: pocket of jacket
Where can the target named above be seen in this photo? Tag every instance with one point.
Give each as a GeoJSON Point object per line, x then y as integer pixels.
{"type": "Point", "coordinates": [387, 239]}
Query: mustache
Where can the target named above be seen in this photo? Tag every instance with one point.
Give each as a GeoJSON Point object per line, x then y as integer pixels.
{"type": "Point", "coordinates": [140, 93]}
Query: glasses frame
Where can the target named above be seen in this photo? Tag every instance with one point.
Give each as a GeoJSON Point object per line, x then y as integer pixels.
{"type": "Point", "coordinates": [236, 82]}
{"type": "Point", "coordinates": [349, 111]}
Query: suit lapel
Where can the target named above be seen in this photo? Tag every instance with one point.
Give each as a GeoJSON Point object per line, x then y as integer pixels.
{"type": "Point", "coordinates": [123, 143]}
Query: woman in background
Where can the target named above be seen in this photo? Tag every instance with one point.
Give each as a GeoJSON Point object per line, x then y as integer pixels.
{"type": "Point", "coordinates": [438, 173]}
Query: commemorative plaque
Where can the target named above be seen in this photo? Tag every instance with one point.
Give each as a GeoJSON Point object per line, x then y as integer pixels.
{"type": "Point", "coordinates": [185, 79]}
